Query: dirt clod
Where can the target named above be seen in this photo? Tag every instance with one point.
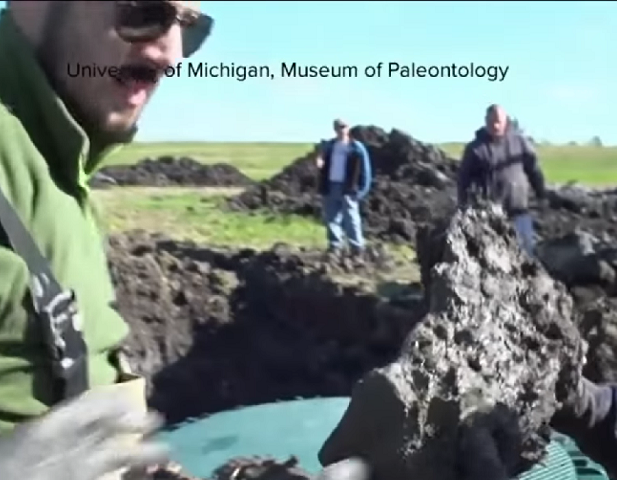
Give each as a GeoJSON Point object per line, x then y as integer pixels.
{"type": "Point", "coordinates": [498, 335]}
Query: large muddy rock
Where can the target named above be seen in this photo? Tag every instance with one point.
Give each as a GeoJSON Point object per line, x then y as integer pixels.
{"type": "Point", "coordinates": [172, 171]}
{"type": "Point", "coordinates": [213, 330]}
{"type": "Point", "coordinates": [498, 335]}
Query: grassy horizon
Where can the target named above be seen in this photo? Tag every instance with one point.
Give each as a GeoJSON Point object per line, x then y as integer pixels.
{"type": "Point", "coordinates": [194, 213]}
{"type": "Point", "coordinates": [260, 160]}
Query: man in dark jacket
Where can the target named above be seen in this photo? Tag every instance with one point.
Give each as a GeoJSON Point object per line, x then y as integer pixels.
{"type": "Point", "coordinates": [344, 180]}
{"type": "Point", "coordinates": [499, 165]}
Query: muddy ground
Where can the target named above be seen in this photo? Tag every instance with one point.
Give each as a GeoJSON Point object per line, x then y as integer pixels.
{"type": "Point", "coordinates": [214, 329]}
{"type": "Point", "coordinates": [171, 171]}
{"type": "Point", "coordinates": [218, 329]}
{"type": "Point", "coordinates": [414, 183]}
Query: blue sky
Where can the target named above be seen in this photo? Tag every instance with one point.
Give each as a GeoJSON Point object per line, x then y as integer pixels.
{"type": "Point", "coordinates": [560, 57]}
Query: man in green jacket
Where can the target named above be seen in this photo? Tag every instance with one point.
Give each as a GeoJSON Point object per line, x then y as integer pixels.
{"type": "Point", "coordinates": [58, 122]}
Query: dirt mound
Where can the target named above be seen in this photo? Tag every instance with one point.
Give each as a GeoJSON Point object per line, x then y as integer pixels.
{"type": "Point", "coordinates": [172, 171]}
{"type": "Point", "coordinates": [213, 330]}
{"type": "Point", "coordinates": [573, 207]}
{"type": "Point", "coordinates": [498, 337]}
{"type": "Point", "coordinates": [413, 181]}
{"type": "Point", "coordinates": [588, 267]}
{"type": "Point", "coordinates": [414, 185]}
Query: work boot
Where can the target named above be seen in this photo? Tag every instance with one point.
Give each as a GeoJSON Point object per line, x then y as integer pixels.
{"type": "Point", "coordinates": [332, 255]}
{"type": "Point", "coordinates": [357, 256]}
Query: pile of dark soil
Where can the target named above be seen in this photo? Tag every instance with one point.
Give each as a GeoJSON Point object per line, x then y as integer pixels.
{"type": "Point", "coordinates": [588, 267]}
{"type": "Point", "coordinates": [172, 171]}
{"type": "Point", "coordinates": [414, 184]}
{"type": "Point", "coordinates": [498, 338]}
{"type": "Point", "coordinates": [214, 330]}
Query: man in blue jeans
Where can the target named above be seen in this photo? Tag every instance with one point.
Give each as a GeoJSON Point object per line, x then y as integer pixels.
{"type": "Point", "coordinates": [500, 164]}
{"type": "Point", "coordinates": [344, 180]}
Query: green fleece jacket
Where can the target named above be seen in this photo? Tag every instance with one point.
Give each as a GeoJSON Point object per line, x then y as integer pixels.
{"type": "Point", "coordinates": [45, 160]}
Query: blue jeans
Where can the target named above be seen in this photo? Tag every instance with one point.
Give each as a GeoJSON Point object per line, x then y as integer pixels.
{"type": "Point", "coordinates": [523, 224]}
{"type": "Point", "coordinates": [342, 217]}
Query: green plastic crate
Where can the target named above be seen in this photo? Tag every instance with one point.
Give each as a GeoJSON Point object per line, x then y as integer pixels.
{"type": "Point", "coordinates": [565, 461]}
{"type": "Point", "coordinates": [300, 427]}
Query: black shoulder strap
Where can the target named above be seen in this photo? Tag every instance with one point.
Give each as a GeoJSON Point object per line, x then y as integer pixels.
{"type": "Point", "coordinates": [54, 307]}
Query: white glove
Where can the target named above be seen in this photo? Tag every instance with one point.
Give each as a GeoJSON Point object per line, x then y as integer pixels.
{"type": "Point", "coordinates": [80, 440]}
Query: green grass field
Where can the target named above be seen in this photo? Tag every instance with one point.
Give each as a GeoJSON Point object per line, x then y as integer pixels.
{"type": "Point", "coordinates": [588, 165]}
{"type": "Point", "coordinates": [192, 213]}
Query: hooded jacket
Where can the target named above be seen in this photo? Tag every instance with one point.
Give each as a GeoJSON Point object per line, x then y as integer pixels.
{"type": "Point", "coordinates": [501, 170]}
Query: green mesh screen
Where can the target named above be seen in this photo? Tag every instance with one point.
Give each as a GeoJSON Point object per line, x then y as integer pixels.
{"type": "Point", "coordinates": [300, 427]}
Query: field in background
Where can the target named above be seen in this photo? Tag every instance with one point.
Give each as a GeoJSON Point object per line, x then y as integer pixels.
{"type": "Point", "coordinates": [193, 213]}
{"type": "Point", "coordinates": [589, 165]}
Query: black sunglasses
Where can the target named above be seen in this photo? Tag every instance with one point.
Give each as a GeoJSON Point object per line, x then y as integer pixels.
{"type": "Point", "coordinates": [145, 21]}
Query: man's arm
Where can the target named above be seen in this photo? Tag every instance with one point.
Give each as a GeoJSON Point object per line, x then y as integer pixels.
{"type": "Point", "coordinates": [466, 174]}
{"type": "Point", "coordinates": [368, 173]}
{"type": "Point", "coordinates": [532, 168]}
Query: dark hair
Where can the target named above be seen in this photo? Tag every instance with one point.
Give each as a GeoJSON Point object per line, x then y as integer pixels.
{"type": "Point", "coordinates": [493, 108]}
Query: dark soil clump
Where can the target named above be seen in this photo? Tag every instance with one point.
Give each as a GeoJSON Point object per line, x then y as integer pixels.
{"type": "Point", "coordinates": [498, 337]}
{"type": "Point", "coordinates": [587, 265]}
{"type": "Point", "coordinates": [171, 171]}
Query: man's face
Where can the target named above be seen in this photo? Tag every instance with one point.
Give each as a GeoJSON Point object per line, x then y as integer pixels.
{"type": "Point", "coordinates": [88, 37]}
{"type": "Point", "coordinates": [341, 130]}
{"type": "Point", "coordinates": [497, 122]}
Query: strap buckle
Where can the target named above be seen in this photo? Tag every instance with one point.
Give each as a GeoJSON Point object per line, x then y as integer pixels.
{"type": "Point", "coordinates": [62, 327]}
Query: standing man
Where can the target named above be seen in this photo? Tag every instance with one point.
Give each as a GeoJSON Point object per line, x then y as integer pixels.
{"type": "Point", "coordinates": [500, 164]}
{"type": "Point", "coordinates": [59, 332]}
{"type": "Point", "coordinates": [344, 180]}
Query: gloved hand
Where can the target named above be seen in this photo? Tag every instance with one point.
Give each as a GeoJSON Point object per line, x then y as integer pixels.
{"type": "Point", "coordinates": [489, 437]}
{"type": "Point", "coordinates": [79, 440]}
{"type": "Point", "coordinates": [489, 443]}
{"type": "Point", "coordinates": [590, 419]}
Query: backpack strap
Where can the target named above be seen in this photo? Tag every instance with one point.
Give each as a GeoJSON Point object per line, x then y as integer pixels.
{"type": "Point", "coordinates": [55, 309]}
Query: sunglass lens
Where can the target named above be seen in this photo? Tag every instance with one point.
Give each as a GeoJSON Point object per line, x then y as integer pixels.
{"type": "Point", "coordinates": [143, 20]}
{"type": "Point", "coordinates": [195, 34]}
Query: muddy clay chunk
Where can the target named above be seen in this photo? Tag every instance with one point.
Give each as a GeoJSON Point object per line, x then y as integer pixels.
{"type": "Point", "coordinates": [498, 337]}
